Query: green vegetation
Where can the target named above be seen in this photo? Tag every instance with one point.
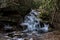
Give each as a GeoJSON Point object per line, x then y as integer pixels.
{"type": "Point", "coordinates": [47, 7]}
{"type": "Point", "coordinates": [35, 5]}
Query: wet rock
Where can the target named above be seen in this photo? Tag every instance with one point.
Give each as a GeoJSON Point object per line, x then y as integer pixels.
{"type": "Point", "coordinates": [11, 35]}
{"type": "Point", "coordinates": [55, 35]}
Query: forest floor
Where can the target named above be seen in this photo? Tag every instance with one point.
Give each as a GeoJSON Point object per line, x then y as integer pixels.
{"type": "Point", "coordinates": [55, 35]}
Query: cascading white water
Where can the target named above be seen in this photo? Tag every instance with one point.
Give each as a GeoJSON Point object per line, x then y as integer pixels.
{"type": "Point", "coordinates": [33, 22]}
{"type": "Point", "coordinates": [33, 27]}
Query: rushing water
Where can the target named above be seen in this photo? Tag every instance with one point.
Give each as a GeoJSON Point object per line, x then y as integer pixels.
{"type": "Point", "coordinates": [33, 23]}
{"type": "Point", "coordinates": [34, 26]}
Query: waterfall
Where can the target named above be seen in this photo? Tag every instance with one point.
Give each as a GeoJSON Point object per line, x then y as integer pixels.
{"type": "Point", "coordinates": [33, 22]}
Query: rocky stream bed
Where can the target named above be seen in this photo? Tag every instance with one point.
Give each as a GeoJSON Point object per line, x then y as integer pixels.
{"type": "Point", "coordinates": [34, 25]}
{"type": "Point", "coordinates": [17, 35]}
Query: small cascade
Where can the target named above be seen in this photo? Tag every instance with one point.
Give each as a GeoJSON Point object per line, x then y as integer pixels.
{"type": "Point", "coordinates": [33, 31]}
{"type": "Point", "coordinates": [33, 23]}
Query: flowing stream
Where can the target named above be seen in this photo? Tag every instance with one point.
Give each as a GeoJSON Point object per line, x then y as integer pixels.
{"type": "Point", "coordinates": [33, 23]}
{"type": "Point", "coordinates": [34, 28]}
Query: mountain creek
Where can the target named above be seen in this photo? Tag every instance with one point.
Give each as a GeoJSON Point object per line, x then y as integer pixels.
{"type": "Point", "coordinates": [17, 35]}
{"type": "Point", "coordinates": [34, 29]}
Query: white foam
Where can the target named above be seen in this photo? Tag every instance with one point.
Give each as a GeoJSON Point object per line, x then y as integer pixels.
{"type": "Point", "coordinates": [32, 21]}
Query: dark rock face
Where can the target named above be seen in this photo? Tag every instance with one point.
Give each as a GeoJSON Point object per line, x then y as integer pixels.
{"type": "Point", "coordinates": [41, 24]}
{"type": "Point", "coordinates": [8, 11]}
{"type": "Point", "coordinates": [21, 28]}
{"type": "Point", "coordinates": [12, 10]}
{"type": "Point", "coordinates": [1, 27]}
{"type": "Point", "coordinates": [13, 13]}
{"type": "Point", "coordinates": [12, 17]}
